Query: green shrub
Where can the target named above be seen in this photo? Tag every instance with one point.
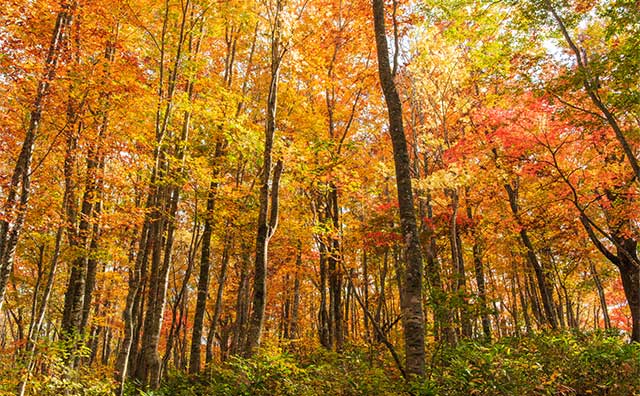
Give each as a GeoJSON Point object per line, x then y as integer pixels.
{"type": "Point", "coordinates": [58, 378]}
{"type": "Point", "coordinates": [550, 364]}
{"type": "Point", "coordinates": [276, 372]}
{"type": "Point", "coordinates": [542, 365]}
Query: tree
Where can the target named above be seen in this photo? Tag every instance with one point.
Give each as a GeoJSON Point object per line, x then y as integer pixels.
{"type": "Point", "coordinates": [411, 293]}
{"type": "Point", "coordinates": [15, 207]}
{"type": "Point", "coordinates": [269, 185]}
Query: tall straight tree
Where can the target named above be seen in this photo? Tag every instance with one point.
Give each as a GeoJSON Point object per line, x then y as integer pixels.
{"type": "Point", "coordinates": [148, 279]}
{"type": "Point", "coordinates": [268, 213]}
{"type": "Point", "coordinates": [411, 295]}
{"type": "Point", "coordinates": [14, 211]}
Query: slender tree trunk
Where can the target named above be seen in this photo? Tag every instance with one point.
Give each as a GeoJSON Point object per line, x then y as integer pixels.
{"type": "Point", "coordinates": [148, 370]}
{"type": "Point", "coordinates": [268, 199]}
{"type": "Point", "coordinates": [323, 316]}
{"type": "Point", "coordinates": [601, 296]}
{"type": "Point", "coordinates": [106, 347]}
{"type": "Point", "coordinates": [285, 312]}
{"type": "Point", "coordinates": [523, 301]}
{"type": "Point", "coordinates": [545, 292]}
{"type": "Point", "coordinates": [541, 277]}
{"type": "Point", "coordinates": [14, 210]}
{"type": "Point", "coordinates": [379, 331]}
{"type": "Point", "coordinates": [205, 257]}
{"type": "Point", "coordinates": [365, 286]}
{"type": "Point", "coordinates": [382, 296]}
{"type": "Point", "coordinates": [532, 294]}
{"type": "Point", "coordinates": [460, 276]}
{"type": "Point", "coordinates": [93, 197]}
{"type": "Point", "coordinates": [181, 297]}
{"type": "Point", "coordinates": [482, 292]}
{"type": "Point", "coordinates": [36, 323]}
{"type": "Point", "coordinates": [203, 282]}
{"type": "Point", "coordinates": [83, 271]}
{"type": "Point", "coordinates": [164, 210]}
{"type": "Point", "coordinates": [237, 344]}
{"type": "Point", "coordinates": [295, 309]}
{"type": "Point", "coordinates": [265, 232]}
{"type": "Point", "coordinates": [92, 272]}
{"type": "Point", "coordinates": [131, 315]}
{"type": "Point", "coordinates": [335, 271]}
{"type": "Point", "coordinates": [217, 308]}
{"type": "Point", "coordinates": [412, 310]}
{"type": "Point", "coordinates": [205, 265]}
{"type": "Point", "coordinates": [514, 305]}
{"type": "Point", "coordinates": [443, 329]}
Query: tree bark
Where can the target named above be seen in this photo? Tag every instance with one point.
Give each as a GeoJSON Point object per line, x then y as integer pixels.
{"type": "Point", "coordinates": [601, 296]}
{"type": "Point", "coordinates": [412, 310]}
{"type": "Point", "coordinates": [265, 232]}
{"type": "Point", "coordinates": [166, 195]}
{"type": "Point", "coordinates": [295, 309]}
{"type": "Point", "coordinates": [268, 212]}
{"type": "Point", "coordinates": [323, 316]}
{"type": "Point", "coordinates": [482, 292]}
{"type": "Point", "coordinates": [460, 277]}
{"type": "Point", "coordinates": [205, 265]}
{"type": "Point", "coordinates": [532, 259]}
{"type": "Point", "coordinates": [217, 307]}
{"type": "Point", "coordinates": [335, 272]}
{"type": "Point", "coordinates": [242, 301]}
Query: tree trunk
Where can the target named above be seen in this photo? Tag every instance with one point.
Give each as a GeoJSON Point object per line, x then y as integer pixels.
{"type": "Point", "coordinates": [180, 299]}
{"type": "Point", "coordinates": [631, 284]}
{"type": "Point", "coordinates": [222, 279]}
{"type": "Point", "coordinates": [626, 260]}
{"type": "Point", "coordinates": [93, 196]}
{"type": "Point", "coordinates": [412, 310]}
{"type": "Point", "coordinates": [630, 276]}
{"type": "Point", "coordinates": [83, 270]}
{"type": "Point", "coordinates": [480, 278]}
{"type": "Point", "coordinates": [295, 309]}
{"type": "Point", "coordinates": [365, 286]}
{"type": "Point", "coordinates": [541, 276]}
{"type": "Point", "coordinates": [135, 274]}
{"type": "Point", "coordinates": [335, 271]}
{"type": "Point", "coordinates": [460, 277]}
{"type": "Point", "coordinates": [265, 232]}
{"type": "Point", "coordinates": [205, 265]}
{"type": "Point", "coordinates": [601, 296]}
{"type": "Point", "coordinates": [323, 316]}
{"type": "Point", "coordinates": [14, 211]}
{"type": "Point", "coordinates": [36, 322]}
{"type": "Point", "coordinates": [239, 332]}
{"type": "Point", "coordinates": [523, 301]}
{"type": "Point", "coordinates": [268, 212]}
{"type": "Point", "coordinates": [166, 195]}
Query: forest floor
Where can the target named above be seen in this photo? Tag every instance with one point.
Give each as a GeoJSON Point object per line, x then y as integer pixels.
{"type": "Point", "coordinates": [549, 364]}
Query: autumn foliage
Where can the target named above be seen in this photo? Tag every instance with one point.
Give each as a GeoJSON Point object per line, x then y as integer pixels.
{"type": "Point", "coordinates": [201, 186]}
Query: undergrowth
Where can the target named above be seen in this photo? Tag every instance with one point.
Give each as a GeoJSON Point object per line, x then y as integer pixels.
{"type": "Point", "coordinates": [550, 364]}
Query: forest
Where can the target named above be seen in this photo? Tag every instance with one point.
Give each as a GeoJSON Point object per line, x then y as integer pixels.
{"type": "Point", "coordinates": [319, 197]}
